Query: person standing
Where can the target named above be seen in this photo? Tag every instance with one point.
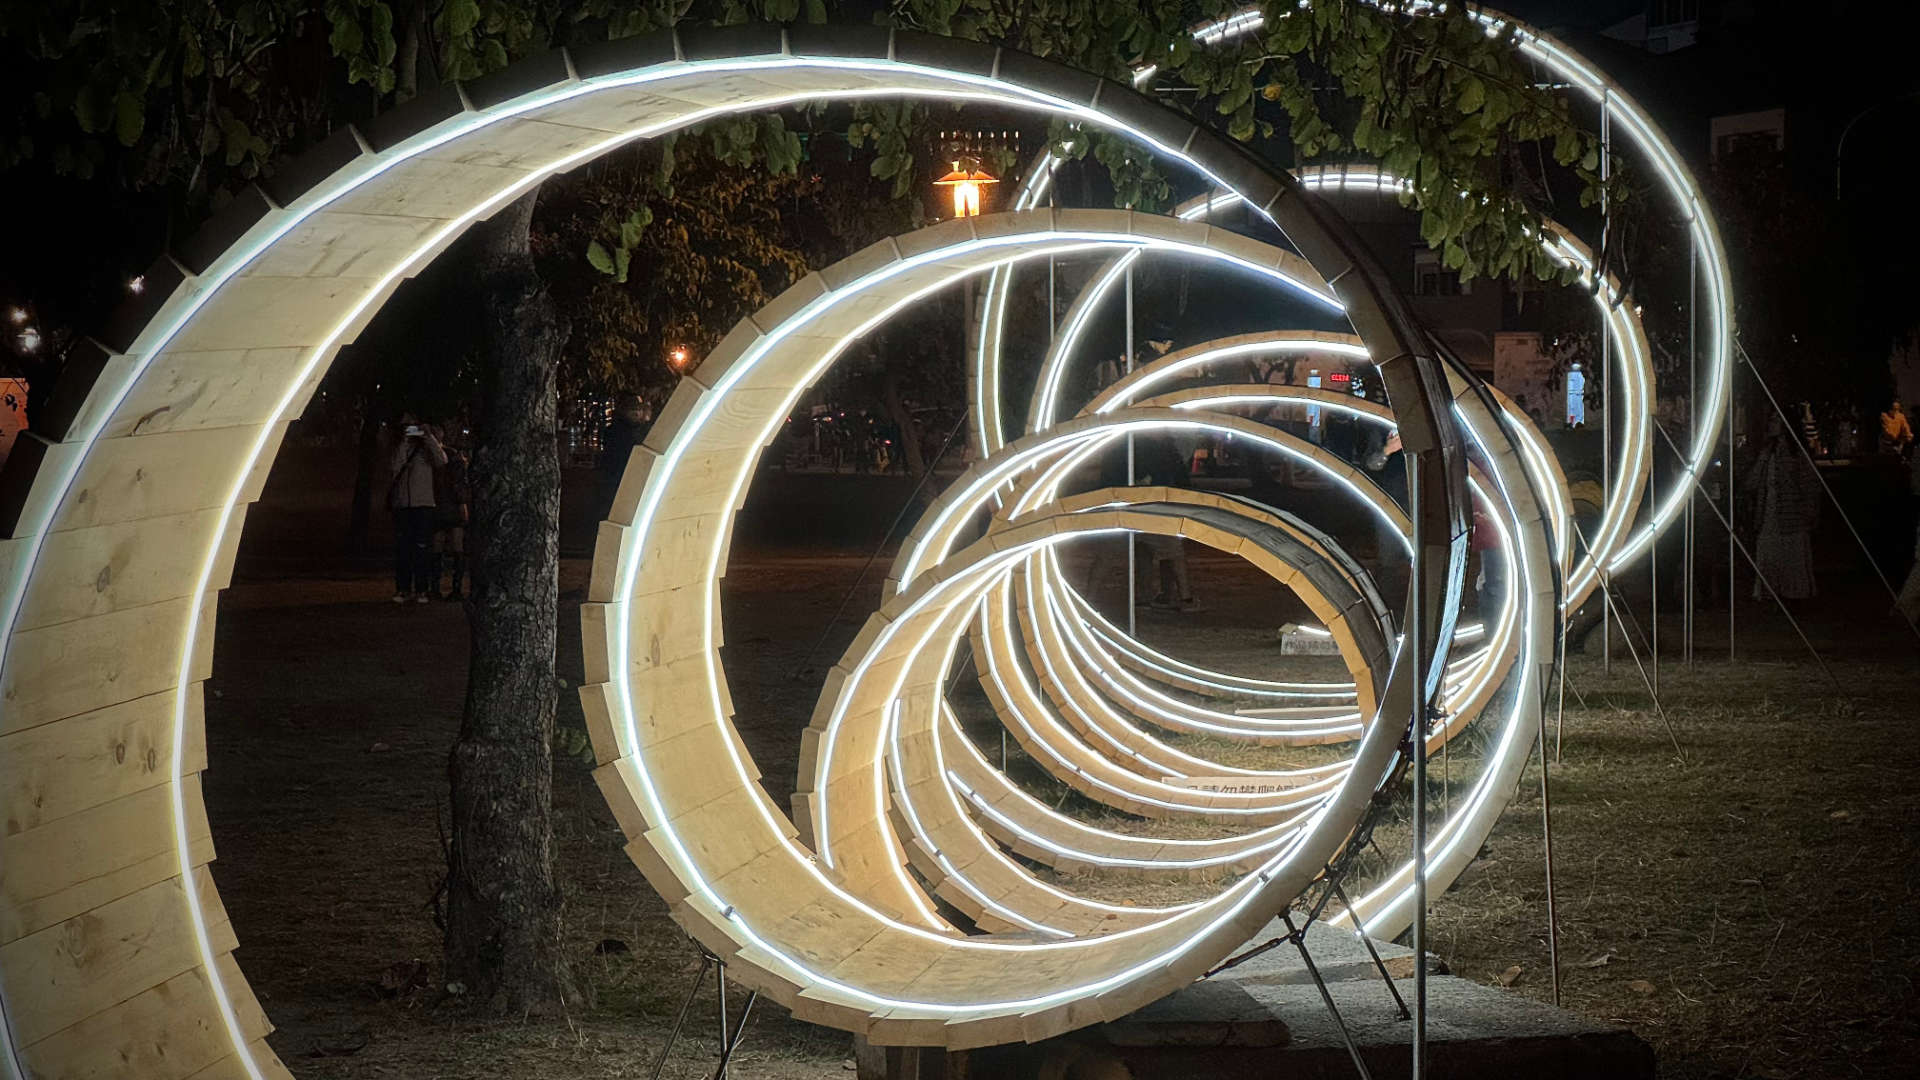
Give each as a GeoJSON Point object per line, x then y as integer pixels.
{"type": "Point", "coordinates": [1159, 463]}
{"type": "Point", "coordinates": [1896, 431]}
{"type": "Point", "coordinates": [451, 496]}
{"type": "Point", "coordinates": [628, 429]}
{"type": "Point", "coordinates": [1392, 572]}
{"type": "Point", "coordinates": [410, 497]}
{"type": "Point", "coordinates": [1789, 496]}
{"type": "Point", "coordinates": [1489, 577]}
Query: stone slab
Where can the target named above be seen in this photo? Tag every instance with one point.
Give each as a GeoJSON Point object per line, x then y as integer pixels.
{"type": "Point", "coordinates": [1263, 1020]}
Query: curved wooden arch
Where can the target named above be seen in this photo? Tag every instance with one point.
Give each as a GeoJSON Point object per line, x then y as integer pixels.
{"type": "Point", "coordinates": [119, 517]}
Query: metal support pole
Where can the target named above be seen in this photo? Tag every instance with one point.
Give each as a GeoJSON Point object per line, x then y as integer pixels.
{"type": "Point", "coordinates": [720, 985]}
{"type": "Point", "coordinates": [1626, 637]}
{"type": "Point", "coordinates": [1546, 844]}
{"type": "Point", "coordinates": [1417, 747]}
{"type": "Point", "coordinates": [732, 1043]}
{"type": "Point", "coordinates": [1295, 935]}
{"type": "Point", "coordinates": [1560, 706]}
{"type": "Point", "coordinates": [680, 1018]}
{"type": "Point", "coordinates": [1379, 965]}
{"type": "Point", "coordinates": [1733, 597]}
{"type": "Point", "coordinates": [1133, 570]}
{"type": "Point", "coordinates": [1606, 362]}
{"type": "Point", "coordinates": [1653, 570]}
{"type": "Point", "coordinates": [1693, 425]}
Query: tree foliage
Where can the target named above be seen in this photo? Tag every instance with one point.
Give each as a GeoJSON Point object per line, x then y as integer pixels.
{"type": "Point", "coordinates": [192, 98]}
{"type": "Point", "coordinates": [1432, 97]}
{"type": "Point", "coordinates": [688, 259]}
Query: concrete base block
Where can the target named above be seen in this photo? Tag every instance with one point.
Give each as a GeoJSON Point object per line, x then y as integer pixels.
{"type": "Point", "coordinates": [1264, 1020]}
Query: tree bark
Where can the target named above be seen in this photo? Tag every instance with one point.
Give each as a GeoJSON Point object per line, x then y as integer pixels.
{"type": "Point", "coordinates": [503, 935]}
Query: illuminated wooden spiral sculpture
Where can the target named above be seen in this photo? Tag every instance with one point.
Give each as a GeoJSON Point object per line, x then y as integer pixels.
{"type": "Point", "coordinates": [122, 514]}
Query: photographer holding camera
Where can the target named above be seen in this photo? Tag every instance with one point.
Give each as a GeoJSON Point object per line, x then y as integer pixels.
{"type": "Point", "coordinates": [410, 496]}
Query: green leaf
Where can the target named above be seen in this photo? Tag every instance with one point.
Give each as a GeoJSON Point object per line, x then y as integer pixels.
{"type": "Point", "coordinates": [346, 39]}
{"type": "Point", "coordinates": [816, 11]}
{"type": "Point", "coordinates": [384, 45]}
{"type": "Point", "coordinates": [621, 257]}
{"type": "Point", "coordinates": [1473, 94]}
{"type": "Point", "coordinates": [93, 107]}
{"type": "Point", "coordinates": [598, 258]}
{"type": "Point", "coordinates": [129, 117]}
{"type": "Point", "coordinates": [459, 17]}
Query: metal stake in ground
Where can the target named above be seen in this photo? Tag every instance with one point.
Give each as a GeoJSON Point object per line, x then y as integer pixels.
{"type": "Point", "coordinates": [1417, 747]}
{"type": "Point", "coordinates": [1627, 637]}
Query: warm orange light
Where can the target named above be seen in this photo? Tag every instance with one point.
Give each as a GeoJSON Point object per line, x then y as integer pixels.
{"type": "Point", "coordinates": [678, 356]}
{"type": "Point", "coordinates": [966, 189]}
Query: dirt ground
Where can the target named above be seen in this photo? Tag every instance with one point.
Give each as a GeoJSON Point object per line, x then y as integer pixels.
{"type": "Point", "coordinates": [1747, 903]}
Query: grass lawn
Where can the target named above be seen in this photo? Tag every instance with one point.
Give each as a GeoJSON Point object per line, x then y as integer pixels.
{"type": "Point", "coordinates": [1747, 904]}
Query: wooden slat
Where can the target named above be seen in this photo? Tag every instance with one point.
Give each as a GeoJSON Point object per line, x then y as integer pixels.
{"type": "Point", "coordinates": [207, 389]}
{"type": "Point", "coordinates": [126, 564]}
{"type": "Point", "coordinates": [168, 1032]}
{"type": "Point", "coordinates": [68, 972]}
{"type": "Point", "coordinates": [86, 664]}
{"type": "Point", "coordinates": [232, 1068]}
{"type": "Point", "coordinates": [89, 859]}
{"type": "Point", "coordinates": [54, 770]}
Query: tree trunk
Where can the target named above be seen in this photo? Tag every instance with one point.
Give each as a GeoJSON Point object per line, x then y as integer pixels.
{"type": "Point", "coordinates": [503, 934]}
{"type": "Point", "coordinates": [406, 60]}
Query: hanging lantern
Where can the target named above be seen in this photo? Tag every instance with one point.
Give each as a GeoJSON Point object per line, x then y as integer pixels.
{"type": "Point", "coordinates": [966, 189]}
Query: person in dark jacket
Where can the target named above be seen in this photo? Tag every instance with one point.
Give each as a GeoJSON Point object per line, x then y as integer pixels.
{"type": "Point", "coordinates": [410, 496]}
{"type": "Point", "coordinates": [451, 495]}
{"type": "Point", "coordinates": [628, 429]}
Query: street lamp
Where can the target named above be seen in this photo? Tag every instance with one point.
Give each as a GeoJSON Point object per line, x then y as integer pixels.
{"type": "Point", "coordinates": [678, 357]}
{"type": "Point", "coordinates": [966, 189]}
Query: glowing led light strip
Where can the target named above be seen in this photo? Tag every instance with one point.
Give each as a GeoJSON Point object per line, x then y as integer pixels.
{"type": "Point", "coordinates": [953, 594]}
{"type": "Point", "coordinates": [1320, 833]}
{"type": "Point", "coordinates": [904, 789]}
{"type": "Point", "coordinates": [1487, 677]}
{"type": "Point", "coordinates": [1572, 71]}
{"type": "Point", "coordinates": [1042, 409]}
{"type": "Point", "coordinates": [1132, 384]}
{"type": "Point", "coordinates": [1628, 336]}
{"type": "Point", "coordinates": [210, 282]}
{"type": "Point", "coordinates": [1027, 496]}
{"type": "Point", "coordinates": [1262, 839]}
{"type": "Point", "coordinates": [1529, 452]}
{"type": "Point", "coordinates": [1703, 233]}
{"type": "Point", "coordinates": [1047, 482]}
{"type": "Point", "coordinates": [969, 493]}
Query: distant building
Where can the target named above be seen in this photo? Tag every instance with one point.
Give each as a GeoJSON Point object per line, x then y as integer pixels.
{"type": "Point", "coordinates": [1735, 134]}
{"type": "Point", "coordinates": [1661, 26]}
